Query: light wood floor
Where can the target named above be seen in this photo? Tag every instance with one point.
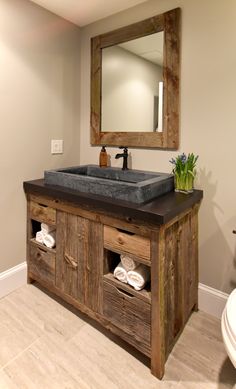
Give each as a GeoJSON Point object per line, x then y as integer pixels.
{"type": "Point", "coordinates": [44, 345]}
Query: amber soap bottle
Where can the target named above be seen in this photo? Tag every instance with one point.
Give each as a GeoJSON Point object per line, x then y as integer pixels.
{"type": "Point", "coordinates": [103, 159]}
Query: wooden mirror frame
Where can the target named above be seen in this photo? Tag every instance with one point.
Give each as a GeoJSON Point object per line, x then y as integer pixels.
{"type": "Point", "coordinates": [169, 22]}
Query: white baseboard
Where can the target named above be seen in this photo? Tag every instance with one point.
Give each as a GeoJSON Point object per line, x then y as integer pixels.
{"type": "Point", "coordinates": [12, 279]}
{"type": "Point", "coordinates": [211, 300]}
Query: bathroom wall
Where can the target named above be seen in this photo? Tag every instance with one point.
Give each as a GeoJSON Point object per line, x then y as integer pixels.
{"type": "Point", "coordinates": [134, 85]}
{"type": "Point", "coordinates": [39, 101]}
{"type": "Point", "coordinates": [207, 121]}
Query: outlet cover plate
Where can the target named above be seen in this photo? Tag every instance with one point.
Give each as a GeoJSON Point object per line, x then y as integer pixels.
{"type": "Point", "coordinates": [56, 146]}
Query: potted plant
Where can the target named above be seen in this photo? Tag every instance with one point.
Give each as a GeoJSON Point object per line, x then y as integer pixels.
{"type": "Point", "coordinates": [184, 172]}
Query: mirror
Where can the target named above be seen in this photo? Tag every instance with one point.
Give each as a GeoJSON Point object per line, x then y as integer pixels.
{"type": "Point", "coordinates": [132, 78]}
{"type": "Point", "coordinates": [135, 84]}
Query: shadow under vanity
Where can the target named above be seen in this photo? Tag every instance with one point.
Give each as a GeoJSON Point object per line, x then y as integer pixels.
{"type": "Point", "coordinates": [91, 233]}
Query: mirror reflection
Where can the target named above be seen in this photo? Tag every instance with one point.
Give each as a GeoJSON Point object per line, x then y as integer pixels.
{"type": "Point", "coordinates": [132, 85]}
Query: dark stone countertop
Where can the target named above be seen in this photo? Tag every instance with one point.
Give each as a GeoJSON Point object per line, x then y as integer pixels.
{"type": "Point", "coordinates": [158, 211]}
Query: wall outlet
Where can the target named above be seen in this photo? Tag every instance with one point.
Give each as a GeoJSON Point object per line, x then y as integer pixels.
{"type": "Point", "coordinates": [56, 146]}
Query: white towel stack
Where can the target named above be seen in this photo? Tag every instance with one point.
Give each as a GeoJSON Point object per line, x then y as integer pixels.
{"type": "Point", "coordinates": [120, 273]}
{"type": "Point", "coordinates": [131, 272]}
{"type": "Point", "coordinates": [39, 236]}
{"type": "Point", "coordinates": [46, 228]}
{"type": "Point", "coordinates": [128, 262]}
{"type": "Point", "coordinates": [47, 235]}
{"type": "Point", "coordinates": [139, 277]}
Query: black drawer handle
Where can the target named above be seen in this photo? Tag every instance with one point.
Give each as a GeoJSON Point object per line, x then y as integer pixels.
{"type": "Point", "coordinates": [42, 205]}
{"type": "Point", "coordinates": [124, 292]}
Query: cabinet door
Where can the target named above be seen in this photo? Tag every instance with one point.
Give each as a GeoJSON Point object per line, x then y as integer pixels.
{"type": "Point", "coordinates": [79, 259]}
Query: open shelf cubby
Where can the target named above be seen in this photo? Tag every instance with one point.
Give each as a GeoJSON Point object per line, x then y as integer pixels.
{"type": "Point", "coordinates": [36, 226]}
{"type": "Point", "coordinates": [42, 246]}
{"type": "Point", "coordinates": [111, 260]}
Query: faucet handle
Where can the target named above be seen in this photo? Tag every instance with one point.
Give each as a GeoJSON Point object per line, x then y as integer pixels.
{"type": "Point", "coordinates": [124, 147]}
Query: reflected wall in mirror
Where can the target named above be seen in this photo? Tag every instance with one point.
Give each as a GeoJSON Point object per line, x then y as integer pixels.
{"type": "Point", "coordinates": [135, 84]}
{"type": "Point", "coordinates": [131, 90]}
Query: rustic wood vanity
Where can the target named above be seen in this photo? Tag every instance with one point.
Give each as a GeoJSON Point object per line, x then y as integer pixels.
{"type": "Point", "coordinates": [91, 233]}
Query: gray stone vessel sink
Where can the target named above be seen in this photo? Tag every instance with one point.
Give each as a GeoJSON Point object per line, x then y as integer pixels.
{"type": "Point", "coordinates": [135, 186]}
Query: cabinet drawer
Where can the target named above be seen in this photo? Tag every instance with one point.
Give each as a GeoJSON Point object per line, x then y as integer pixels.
{"type": "Point", "coordinates": [129, 313]}
{"type": "Point", "coordinates": [42, 263]}
{"type": "Point", "coordinates": [42, 213]}
{"type": "Point", "coordinates": [120, 240]}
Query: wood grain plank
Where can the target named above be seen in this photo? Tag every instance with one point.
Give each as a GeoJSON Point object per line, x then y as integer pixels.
{"type": "Point", "coordinates": [158, 352]}
{"type": "Point", "coordinates": [121, 240]}
{"type": "Point", "coordinates": [171, 70]}
{"type": "Point", "coordinates": [131, 314]}
{"type": "Point", "coordinates": [42, 263]}
{"type": "Point", "coordinates": [143, 294]}
{"type": "Point", "coordinates": [66, 275]}
{"type": "Point", "coordinates": [94, 267]}
{"type": "Point", "coordinates": [42, 213]}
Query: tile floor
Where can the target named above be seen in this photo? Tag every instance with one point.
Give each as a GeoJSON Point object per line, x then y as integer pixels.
{"type": "Point", "coordinates": [45, 345]}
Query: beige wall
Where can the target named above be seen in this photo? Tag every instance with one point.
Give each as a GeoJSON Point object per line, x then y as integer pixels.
{"type": "Point", "coordinates": [128, 92]}
{"type": "Point", "coordinates": [39, 90]}
{"type": "Point", "coordinates": [208, 97]}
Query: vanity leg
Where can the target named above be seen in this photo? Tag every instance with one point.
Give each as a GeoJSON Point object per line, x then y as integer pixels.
{"type": "Point", "coordinates": [194, 223]}
{"type": "Point", "coordinates": [29, 279]}
{"type": "Point", "coordinates": [157, 300]}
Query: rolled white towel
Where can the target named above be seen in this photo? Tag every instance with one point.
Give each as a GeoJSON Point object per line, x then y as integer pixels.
{"type": "Point", "coordinates": [120, 273]}
{"type": "Point", "coordinates": [50, 239]}
{"type": "Point", "coordinates": [128, 263]}
{"type": "Point", "coordinates": [46, 228]}
{"type": "Point", "coordinates": [139, 277]}
{"type": "Point", "coordinates": [39, 236]}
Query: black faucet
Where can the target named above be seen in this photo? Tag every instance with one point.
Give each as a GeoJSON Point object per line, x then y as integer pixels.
{"type": "Point", "coordinates": [125, 156]}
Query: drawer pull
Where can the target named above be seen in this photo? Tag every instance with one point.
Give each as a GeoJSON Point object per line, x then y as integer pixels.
{"type": "Point", "coordinates": [124, 292]}
{"type": "Point", "coordinates": [120, 240]}
{"type": "Point", "coordinates": [70, 261]}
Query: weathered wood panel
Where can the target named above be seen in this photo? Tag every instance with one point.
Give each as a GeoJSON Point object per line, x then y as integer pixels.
{"type": "Point", "coordinates": [143, 294]}
{"type": "Point", "coordinates": [119, 240]}
{"type": "Point", "coordinates": [181, 274]}
{"type": "Point", "coordinates": [195, 267]}
{"type": "Point", "coordinates": [158, 352]}
{"type": "Point", "coordinates": [80, 259]}
{"type": "Point", "coordinates": [42, 263]}
{"type": "Point", "coordinates": [67, 254]}
{"type": "Point", "coordinates": [171, 71]}
{"type": "Point", "coordinates": [131, 314]}
{"type": "Point", "coordinates": [173, 285]}
{"type": "Point", "coordinates": [42, 213]}
{"type": "Point", "coordinates": [93, 261]}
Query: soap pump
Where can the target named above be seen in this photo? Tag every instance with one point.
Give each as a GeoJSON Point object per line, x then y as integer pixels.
{"type": "Point", "coordinates": [103, 158]}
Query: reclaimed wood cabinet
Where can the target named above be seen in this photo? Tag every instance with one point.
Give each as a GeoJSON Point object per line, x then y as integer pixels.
{"type": "Point", "coordinates": [91, 234]}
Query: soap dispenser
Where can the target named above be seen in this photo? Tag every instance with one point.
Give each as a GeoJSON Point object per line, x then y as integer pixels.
{"type": "Point", "coordinates": [103, 158]}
